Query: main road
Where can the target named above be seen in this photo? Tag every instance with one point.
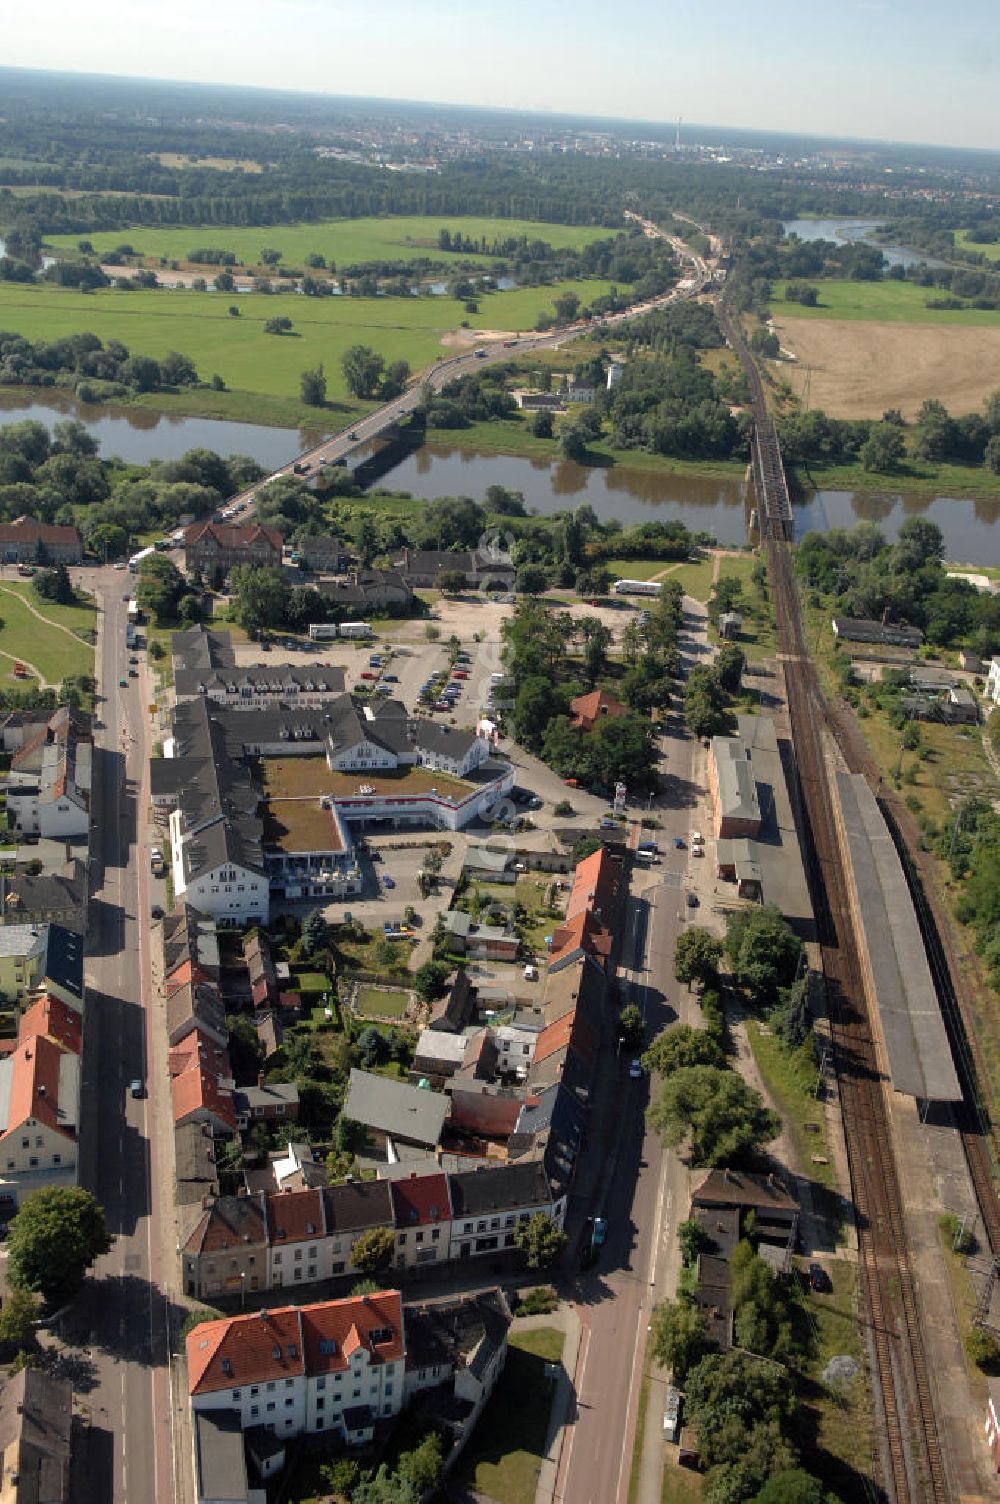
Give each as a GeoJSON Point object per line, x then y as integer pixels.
{"type": "Point", "coordinates": [643, 1191]}
{"type": "Point", "coordinates": [119, 1324]}
{"type": "Point", "coordinates": [334, 450]}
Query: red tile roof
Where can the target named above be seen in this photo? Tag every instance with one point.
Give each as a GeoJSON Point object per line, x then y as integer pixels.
{"type": "Point", "coordinates": [233, 536]}
{"type": "Point", "coordinates": [598, 705]}
{"type": "Point", "coordinates": [582, 933]}
{"type": "Point", "coordinates": [51, 1016]}
{"type": "Point", "coordinates": [34, 1086]}
{"type": "Point", "coordinates": [420, 1201]}
{"type": "Point", "coordinates": [595, 885]}
{"type": "Point", "coordinates": [27, 530]}
{"type": "Point", "coordinates": [198, 1067]}
{"type": "Point", "coordinates": [295, 1216]}
{"type": "Point", "coordinates": [245, 1350]}
{"type": "Point", "coordinates": [556, 1037]}
{"type": "Point", "coordinates": [333, 1329]}
{"type": "Point", "coordinates": [293, 1341]}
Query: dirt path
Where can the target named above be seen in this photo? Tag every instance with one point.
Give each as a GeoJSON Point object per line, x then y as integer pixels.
{"type": "Point", "coordinates": [42, 683]}
{"type": "Point", "coordinates": [57, 626]}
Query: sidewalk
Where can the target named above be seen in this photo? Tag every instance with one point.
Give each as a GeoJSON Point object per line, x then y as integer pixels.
{"type": "Point", "coordinates": [564, 1398]}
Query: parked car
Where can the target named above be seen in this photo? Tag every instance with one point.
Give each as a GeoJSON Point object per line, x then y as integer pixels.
{"type": "Point", "coordinates": [692, 900]}
{"type": "Point", "coordinates": [819, 1279]}
{"type": "Point", "coordinates": [459, 673]}
{"type": "Point", "coordinates": [123, 684]}
{"type": "Point", "coordinates": [387, 881]}
{"type": "Point", "coordinates": [156, 912]}
{"type": "Point", "coordinates": [366, 673]}
{"type": "Point", "coordinates": [679, 842]}
{"type": "Point", "coordinates": [136, 1087]}
{"type": "Point", "coordinates": [442, 705]}
{"type": "Point", "coordinates": [635, 1071]}
{"type": "Point", "coordinates": [600, 1233]}
{"type": "Point", "coordinates": [391, 678]}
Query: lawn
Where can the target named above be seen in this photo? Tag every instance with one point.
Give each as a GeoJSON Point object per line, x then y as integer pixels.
{"type": "Point", "coordinates": [695, 579]}
{"type": "Point", "coordinates": [519, 1408]}
{"type": "Point", "coordinates": [55, 653]}
{"type": "Point", "coordinates": [897, 302]}
{"type": "Point", "coordinates": [342, 241]}
{"type": "Point", "coordinates": [311, 981]}
{"type": "Point", "coordinates": [637, 569]}
{"type": "Point", "coordinates": [255, 365]}
{"type": "Point", "coordinates": [835, 1428]}
{"type": "Point", "coordinates": [965, 242]}
{"type": "Point", "coordinates": [375, 1002]}
{"type": "Point", "coordinates": [790, 1077]}
{"type": "Point", "coordinates": [366, 955]}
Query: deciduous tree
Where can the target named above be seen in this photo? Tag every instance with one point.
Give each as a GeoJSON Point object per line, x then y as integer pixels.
{"type": "Point", "coordinates": [540, 1239]}
{"type": "Point", "coordinates": [373, 1249]}
{"type": "Point", "coordinates": [57, 1234]}
{"type": "Point", "coordinates": [723, 1119]}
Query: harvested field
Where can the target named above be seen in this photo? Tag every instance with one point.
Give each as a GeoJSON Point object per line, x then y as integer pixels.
{"type": "Point", "coordinates": [859, 368]}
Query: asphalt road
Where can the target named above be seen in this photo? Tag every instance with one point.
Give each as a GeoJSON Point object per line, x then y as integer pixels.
{"type": "Point", "coordinates": [644, 1189]}
{"type": "Point", "coordinates": [119, 1323]}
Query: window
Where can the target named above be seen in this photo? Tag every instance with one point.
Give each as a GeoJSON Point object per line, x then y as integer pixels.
{"type": "Point", "coordinates": [236, 1394]}
{"type": "Point", "coordinates": [466, 1226]}
{"type": "Point", "coordinates": [388, 1388]}
{"type": "Point", "coordinates": [401, 1239]}
{"type": "Point", "coordinates": [289, 1383]}
{"type": "Point", "coordinates": [290, 1402]}
{"type": "Point", "coordinates": [435, 1234]}
{"type": "Point", "coordinates": [39, 1141]}
{"type": "Point", "coordinates": [420, 1237]}
{"type": "Point", "coordinates": [33, 1161]}
{"type": "Point", "coordinates": [298, 1255]}
{"type": "Point", "coordinates": [277, 1257]}
{"type": "Point", "coordinates": [357, 1394]}
{"type": "Point", "coordinates": [321, 1381]}
{"type": "Point", "coordinates": [270, 1406]}
{"type": "Point", "coordinates": [254, 1411]}
{"type": "Point", "coordinates": [57, 1159]}
{"type": "Point", "coordinates": [320, 1402]}
{"type": "Point", "coordinates": [270, 1387]}
{"type": "Point", "coordinates": [11, 1164]}
{"type": "Point", "coordinates": [254, 1391]}
{"type": "Point", "coordinates": [26, 1143]}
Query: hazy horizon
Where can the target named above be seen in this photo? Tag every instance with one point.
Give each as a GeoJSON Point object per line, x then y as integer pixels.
{"type": "Point", "coordinates": [869, 70]}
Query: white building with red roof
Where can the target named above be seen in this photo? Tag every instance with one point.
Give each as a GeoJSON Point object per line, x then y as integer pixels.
{"type": "Point", "coordinates": [421, 1207]}
{"type": "Point", "coordinates": [337, 1366]}
{"type": "Point", "coordinates": [40, 1102]}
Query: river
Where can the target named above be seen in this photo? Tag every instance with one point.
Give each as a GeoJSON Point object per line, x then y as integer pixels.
{"type": "Point", "coordinates": [704, 504]}
{"type": "Point", "coordinates": [857, 230]}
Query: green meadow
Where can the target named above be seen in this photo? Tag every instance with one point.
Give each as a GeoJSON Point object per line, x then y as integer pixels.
{"type": "Point", "coordinates": [897, 302]}
{"type": "Point", "coordinates": [255, 365]}
{"type": "Point", "coordinates": [965, 242]}
{"type": "Point", "coordinates": [343, 241]}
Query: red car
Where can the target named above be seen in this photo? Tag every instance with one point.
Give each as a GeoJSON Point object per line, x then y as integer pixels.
{"type": "Point", "coordinates": [368, 674]}
{"type": "Point", "coordinates": [571, 783]}
{"type": "Point", "coordinates": [460, 674]}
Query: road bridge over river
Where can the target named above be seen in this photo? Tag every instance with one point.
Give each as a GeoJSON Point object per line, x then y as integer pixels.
{"type": "Point", "coordinates": [383, 421]}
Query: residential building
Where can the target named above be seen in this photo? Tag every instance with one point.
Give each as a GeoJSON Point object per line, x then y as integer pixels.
{"type": "Point", "coordinates": [479, 941]}
{"type": "Point", "coordinates": [322, 554]}
{"type": "Point", "coordinates": [296, 1238]}
{"type": "Point", "coordinates": [58, 896]}
{"type": "Point", "coordinates": [537, 402]}
{"type": "Point", "coordinates": [480, 569]}
{"type": "Point", "coordinates": [351, 1209]}
{"type": "Point", "coordinates": [227, 1251]}
{"type": "Point", "coordinates": [334, 1367]}
{"type": "Point", "coordinates": [267, 1102]}
{"type": "Point", "coordinates": [365, 590]}
{"type": "Point", "coordinates": [220, 1462]}
{"type": "Point", "coordinates": [40, 1101]}
{"type": "Point", "coordinates": [453, 1011]}
{"type": "Point", "coordinates": [196, 1176]}
{"type": "Point", "coordinates": [421, 1208]}
{"type": "Point", "coordinates": [190, 938]}
{"type": "Point", "coordinates": [394, 1112]}
{"type": "Point", "coordinates": [25, 541]}
{"type": "Point", "coordinates": [196, 1005]}
{"type": "Point", "coordinates": [488, 1204]}
{"type": "Point", "coordinates": [490, 864]}
{"type": "Point", "coordinates": [214, 548]}
{"type": "Point", "coordinates": [455, 1353]}
{"type": "Point", "coordinates": [204, 665]}
{"type": "Point", "coordinates": [730, 625]}
{"type": "Point", "coordinates": [587, 710]}
{"type": "Point", "coordinates": [993, 681]}
{"type": "Point", "coordinates": [202, 1086]}
{"type": "Point", "coordinates": [893, 634]}
{"type": "Point", "coordinates": [36, 1429]}
{"type": "Point", "coordinates": [48, 786]}
{"type": "Point", "coordinates": [22, 958]}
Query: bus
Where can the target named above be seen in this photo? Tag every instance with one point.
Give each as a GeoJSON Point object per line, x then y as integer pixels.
{"type": "Point", "coordinates": [636, 587]}
{"type": "Point", "coordinates": [136, 559]}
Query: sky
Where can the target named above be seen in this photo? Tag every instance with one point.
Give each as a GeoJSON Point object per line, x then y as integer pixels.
{"type": "Point", "coordinates": [898, 70]}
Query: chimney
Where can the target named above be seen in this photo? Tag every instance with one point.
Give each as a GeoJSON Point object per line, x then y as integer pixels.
{"type": "Point", "coordinates": [41, 1090]}
{"type": "Point", "coordinates": [260, 1078]}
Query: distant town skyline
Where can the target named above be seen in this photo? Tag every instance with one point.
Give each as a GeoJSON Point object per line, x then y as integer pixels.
{"type": "Point", "coordinates": [876, 69]}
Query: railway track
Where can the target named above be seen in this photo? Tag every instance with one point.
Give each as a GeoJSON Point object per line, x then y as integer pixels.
{"type": "Point", "coordinates": [913, 1467]}
{"type": "Point", "coordinates": [910, 1465]}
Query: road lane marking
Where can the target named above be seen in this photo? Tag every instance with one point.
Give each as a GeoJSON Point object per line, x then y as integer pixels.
{"type": "Point", "coordinates": [576, 1383]}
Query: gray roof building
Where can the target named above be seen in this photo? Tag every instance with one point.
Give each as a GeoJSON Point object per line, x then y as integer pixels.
{"type": "Point", "coordinates": [410, 1113]}
{"type": "Point", "coordinates": [36, 1417]}
{"type": "Point", "coordinates": [894, 634]}
{"type": "Point", "coordinates": [220, 1459]}
{"type": "Point", "coordinates": [478, 1193]}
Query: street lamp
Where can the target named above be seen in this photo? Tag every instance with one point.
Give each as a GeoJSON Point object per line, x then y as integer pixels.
{"type": "Point", "coordinates": [243, 1290]}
